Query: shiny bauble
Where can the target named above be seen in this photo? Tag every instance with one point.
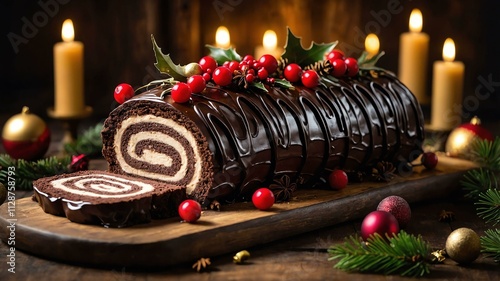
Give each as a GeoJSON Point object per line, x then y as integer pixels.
{"type": "Point", "coordinates": [192, 69]}
{"type": "Point", "coordinates": [463, 245]}
{"type": "Point", "coordinates": [381, 222]}
{"type": "Point", "coordinates": [398, 207]}
{"type": "Point", "coordinates": [461, 138]}
{"type": "Point", "coordinates": [26, 136]}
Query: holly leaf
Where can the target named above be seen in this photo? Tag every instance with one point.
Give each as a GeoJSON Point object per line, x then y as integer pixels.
{"type": "Point", "coordinates": [259, 85]}
{"type": "Point", "coordinates": [365, 62]}
{"type": "Point", "coordinates": [165, 65]}
{"type": "Point", "coordinates": [294, 51]}
{"type": "Point", "coordinates": [222, 55]}
{"type": "Point", "coordinates": [283, 83]}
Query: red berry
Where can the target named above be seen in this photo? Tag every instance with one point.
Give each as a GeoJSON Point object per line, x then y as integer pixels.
{"type": "Point", "coordinates": [251, 71]}
{"type": "Point", "coordinates": [222, 76]}
{"type": "Point", "coordinates": [352, 66]}
{"type": "Point", "coordinates": [123, 92]}
{"type": "Point", "coordinates": [196, 83]}
{"type": "Point", "coordinates": [293, 72]}
{"type": "Point", "coordinates": [334, 55]}
{"type": "Point", "coordinates": [249, 77]}
{"type": "Point", "coordinates": [190, 210]}
{"type": "Point", "coordinates": [271, 80]}
{"type": "Point", "coordinates": [226, 64]}
{"type": "Point", "coordinates": [244, 68]}
{"type": "Point", "coordinates": [338, 179]}
{"type": "Point", "coordinates": [263, 198]}
{"type": "Point", "coordinates": [207, 62]}
{"type": "Point", "coordinates": [206, 77]}
{"type": "Point", "coordinates": [269, 62]}
{"type": "Point", "coordinates": [234, 65]}
{"type": "Point", "coordinates": [380, 222]}
{"type": "Point", "coordinates": [248, 58]}
{"type": "Point", "coordinates": [429, 160]}
{"type": "Point", "coordinates": [339, 68]}
{"type": "Point", "coordinates": [262, 73]}
{"type": "Point", "coordinates": [310, 78]}
{"type": "Point", "coordinates": [181, 92]}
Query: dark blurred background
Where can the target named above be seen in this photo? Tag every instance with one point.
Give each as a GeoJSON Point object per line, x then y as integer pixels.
{"type": "Point", "coordinates": [118, 49]}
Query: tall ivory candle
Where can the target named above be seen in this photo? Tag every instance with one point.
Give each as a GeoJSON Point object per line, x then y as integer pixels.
{"type": "Point", "coordinates": [222, 38]}
{"type": "Point", "coordinates": [413, 54]}
{"type": "Point", "coordinates": [447, 90]}
{"type": "Point", "coordinates": [68, 74]}
{"type": "Point", "coordinates": [269, 46]}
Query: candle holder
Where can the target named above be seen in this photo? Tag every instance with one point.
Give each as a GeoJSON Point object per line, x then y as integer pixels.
{"type": "Point", "coordinates": [70, 123]}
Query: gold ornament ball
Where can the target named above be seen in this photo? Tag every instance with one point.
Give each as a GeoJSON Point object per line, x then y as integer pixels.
{"type": "Point", "coordinates": [192, 69]}
{"type": "Point", "coordinates": [463, 245]}
{"type": "Point", "coordinates": [462, 138]}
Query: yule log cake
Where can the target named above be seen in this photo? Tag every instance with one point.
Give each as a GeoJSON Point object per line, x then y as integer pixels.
{"type": "Point", "coordinates": [229, 139]}
{"type": "Point", "coordinates": [98, 197]}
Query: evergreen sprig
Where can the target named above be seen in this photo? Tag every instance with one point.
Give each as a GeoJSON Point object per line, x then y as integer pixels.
{"type": "Point", "coordinates": [489, 206]}
{"type": "Point", "coordinates": [490, 243]}
{"type": "Point", "coordinates": [487, 153]}
{"type": "Point", "coordinates": [28, 171]}
{"type": "Point", "coordinates": [89, 143]}
{"type": "Point", "coordinates": [402, 254]}
{"type": "Point", "coordinates": [479, 180]}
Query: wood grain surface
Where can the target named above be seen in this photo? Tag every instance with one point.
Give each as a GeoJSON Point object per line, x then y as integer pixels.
{"type": "Point", "coordinates": [168, 242]}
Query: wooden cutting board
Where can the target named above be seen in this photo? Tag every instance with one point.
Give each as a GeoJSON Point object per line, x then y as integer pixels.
{"type": "Point", "coordinates": [236, 227]}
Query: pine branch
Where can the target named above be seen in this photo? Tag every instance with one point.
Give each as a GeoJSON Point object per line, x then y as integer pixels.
{"type": "Point", "coordinates": [28, 171]}
{"type": "Point", "coordinates": [89, 143]}
{"type": "Point", "coordinates": [402, 254]}
{"type": "Point", "coordinates": [489, 206]}
{"type": "Point", "coordinates": [490, 243]}
{"type": "Point", "coordinates": [479, 180]}
{"type": "Point", "coordinates": [487, 153]}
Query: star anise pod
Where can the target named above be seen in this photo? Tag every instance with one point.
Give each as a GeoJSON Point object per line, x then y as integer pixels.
{"type": "Point", "coordinates": [201, 264]}
{"type": "Point", "coordinates": [383, 171]}
{"type": "Point", "coordinates": [283, 188]}
{"type": "Point", "coordinates": [239, 77]}
{"type": "Point", "coordinates": [446, 216]}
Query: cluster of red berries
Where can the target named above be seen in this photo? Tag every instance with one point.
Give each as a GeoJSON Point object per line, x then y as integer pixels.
{"type": "Point", "coordinates": [342, 66]}
{"type": "Point", "coordinates": [293, 73]}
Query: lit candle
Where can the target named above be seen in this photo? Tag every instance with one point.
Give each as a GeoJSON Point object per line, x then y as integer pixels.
{"type": "Point", "coordinates": [269, 45]}
{"type": "Point", "coordinates": [372, 45]}
{"type": "Point", "coordinates": [447, 90]}
{"type": "Point", "coordinates": [413, 53]}
{"type": "Point", "coordinates": [68, 74]}
{"type": "Point", "coordinates": [222, 38]}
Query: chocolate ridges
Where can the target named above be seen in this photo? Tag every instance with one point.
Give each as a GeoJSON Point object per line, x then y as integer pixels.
{"type": "Point", "coordinates": [255, 137]}
{"type": "Point", "coordinates": [98, 197]}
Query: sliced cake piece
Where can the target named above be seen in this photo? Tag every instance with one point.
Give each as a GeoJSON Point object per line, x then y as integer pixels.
{"type": "Point", "coordinates": [112, 200]}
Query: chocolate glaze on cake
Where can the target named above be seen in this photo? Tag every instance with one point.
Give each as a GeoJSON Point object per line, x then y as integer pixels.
{"type": "Point", "coordinates": [97, 197]}
{"type": "Point", "coordinates": [254, 137]}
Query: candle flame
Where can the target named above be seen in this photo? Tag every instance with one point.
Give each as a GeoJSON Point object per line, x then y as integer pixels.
{"type": "Point", "coordinates": [372, 44]}
{"type": "Point", "coordinates": [449, 50]}
{"type": "Point", "coordinates": [270, 40]}
{"type": "Point", "coordinates": [416, 21]}
{"type": "Point", "coordinates": [67, 31]}
{"type": "Point", "coordinates": [222, 38]}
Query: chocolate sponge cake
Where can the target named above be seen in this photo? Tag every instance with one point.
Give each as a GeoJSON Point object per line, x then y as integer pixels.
{"type": "Point", "coordinates": [98, 197]}
{"type": "Point", "coordinates": [226, 142]}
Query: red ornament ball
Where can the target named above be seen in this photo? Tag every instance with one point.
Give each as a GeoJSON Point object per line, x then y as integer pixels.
{"type": "Point", "coordinates": [398, 207]}
{"type": "Point", "coordinates": [338, 179]}
{"type": "Point", "coordinates": [189, 210]}
{"type": "Point", "coordinates": [429, 160]}
{"type": "Point", "coordinates": [263, 198]}
{"type": "Point", "coordinates": [310, 78]}
{"type": "Point", "coordinates": [123, 93]}
{"type": "Point", "coordinates": [25, 136]}
{"type": "Point", "coordinates": [380, 222]}
{"type": "Point", "coordinates": [460, 141]}
{"type": "Point", "coordinates": [181, 92]}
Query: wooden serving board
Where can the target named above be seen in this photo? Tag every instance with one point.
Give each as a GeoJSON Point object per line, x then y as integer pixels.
{"type": "Point", "coordinates": [236, 227]}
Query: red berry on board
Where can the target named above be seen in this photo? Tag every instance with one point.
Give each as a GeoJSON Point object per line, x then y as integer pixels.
{"type": "Point", "coordinates": [398, 207]}
{"type": "Point", "coordinates": [429, 160]}
{"type": "Point", "coordinates": [181, 92]}
{"type": "Point", "coordinates": [339, 68]}
{"type": "Point", "coordinates": [123, 92]}
{"type": "Point", "coordinates": [263, 198]}
{"type": "Point", "coordinates": [234, 65]}
{"type": "Point", "coordinates": [334, 55]}
{"type": "Point", "coordinates": [249, 77]}
{"type": "Point", "coordinates": [262, 73]}
{"type": "Point", "coordinates": [380, 222]}
{"type": "Point", "coordinates": [310, 78]}
{"type": "Point", "coordinates": [338, 179]}
{"type": "Point", "coordinates": [207, 62]}
{"type": "Point", "coordinates": [196, 83]}
{"type": "Point", "coordinates": [189, 210]}
{"type": "Point", "coordinates": [269, 62]}
{"type": "Point", "coordinates": [248, 58]}
{"type": "Point", "coordinates": [222, 76]}
{"type": "Point", "coordinates": [352, 66]}
{"type": "Point", "coordinates": [293, 72]}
